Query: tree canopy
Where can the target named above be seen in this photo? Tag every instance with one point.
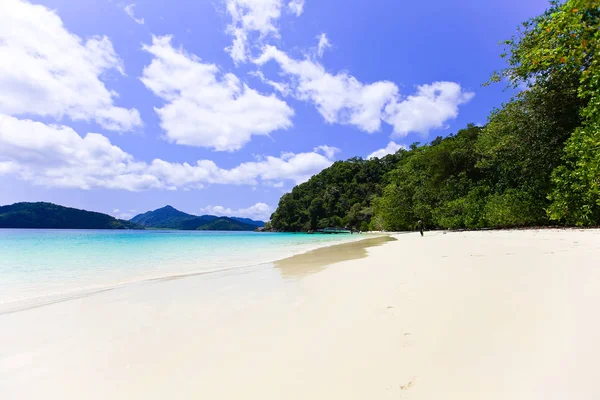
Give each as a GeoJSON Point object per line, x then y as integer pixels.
{"type": "Point", "coordinates": [563, 42]}
{"type": "Point", "coordinates": [535, 162]}
{"type": "Point", "coordinates": [51, 216]}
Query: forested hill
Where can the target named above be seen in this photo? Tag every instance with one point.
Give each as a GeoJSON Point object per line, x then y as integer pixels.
{"type": "Point", "coordinates": [341, 195]}
{"type": "Point", "coordinates": [536, 161]}
{"type": "Point", "coordinates": [52, 216]}
{"type": "Point", "coordinates": [170, 218]}
{"type": "Point", "coordinates": [167, 218]}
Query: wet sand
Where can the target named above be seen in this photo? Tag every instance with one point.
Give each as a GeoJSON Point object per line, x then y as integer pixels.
{"type": "Point", "coordinates": [469, 315]}
{"type": "Point", "coordinates": [316, 260]}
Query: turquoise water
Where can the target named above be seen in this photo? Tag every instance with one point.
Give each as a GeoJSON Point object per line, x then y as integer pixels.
{"type": "Point", "coordinates": [37, 264]}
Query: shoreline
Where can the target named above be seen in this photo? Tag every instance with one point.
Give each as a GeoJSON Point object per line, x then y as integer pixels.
{"type": "Point", "coordinates": [53, 298]}
{"type": "Point", "coordinates": [312, 261]}
{"type": "Point", "coordinates": [463, 315]}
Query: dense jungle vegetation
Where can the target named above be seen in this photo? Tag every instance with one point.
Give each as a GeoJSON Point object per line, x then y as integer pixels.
{"type": "Point", "coordinates": [535, 162]}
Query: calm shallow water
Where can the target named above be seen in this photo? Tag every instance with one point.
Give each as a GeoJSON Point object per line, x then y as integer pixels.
{"type": "Point", "coordinates": [41, 263]}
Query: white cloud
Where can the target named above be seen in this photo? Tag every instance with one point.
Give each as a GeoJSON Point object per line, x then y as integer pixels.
{"type": "Point", "coordinates": [328, 151]}
{"type": "Point", "coordinates": [296, 7]}
{"type": "Point", "coordinates": [205, 107]}
{"type": "Point", "coordinates": [298, 167]}
{"type": "Point", "coordinates": [343, 99]}
{"type": "Point", "coordinates": [7, 167]}
{"type": "Point", "coordinates": [251, 17]}
{"type": "Point", "coordinates": [47, 71]}
{"type": "Point", "coordinates": [282, 88]}
{"type": "Point", "coordinates": [56, 156]}
{"type": "Point", "coordinates": [428, 109]}
{"type": "Point", "coordinates": [259, 211]}
{"type": "Point", "coordinates": [339, 98]}
{"type": "Point", "coordinates": [323, 45]}
{"type": "Point", "coordinates": [123, 215]}
{"type": "Point", "coordinates": [391, 148]}
{"type": "Point", "coordinates": [129, 10]}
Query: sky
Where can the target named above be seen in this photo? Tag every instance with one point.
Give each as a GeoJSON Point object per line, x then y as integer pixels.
{"type": "Point", "coordinates": [221, 106]}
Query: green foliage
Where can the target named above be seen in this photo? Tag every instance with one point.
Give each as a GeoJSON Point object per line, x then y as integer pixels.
{"type": "Point", "coordinates": [364, 226]}
{"type": "Point", "coordinates": [225, 224]}
{"type": "Point", "coordinates": [52, 216]}
{"type": "Point", "coordinates": [576, 196]}
{"type": "Point", "coordinates": [523, 142]}
{"type": "Point", "coordinates": [463, 212]}
{"type": "Point", "coordinates": [536, 162]}
{"type": "Point", "coordinates": [432, 184]}
{"type": "Point", "coordinates": [170, 218]}
{"type": "Point", "coordinates": [340, 196]}
{"type": "Point", "coordinates": [513, 208]}
{"type": "Point", "coordinates": [565, 41]}
{"type": "Point", "coordinates": [167, 218]}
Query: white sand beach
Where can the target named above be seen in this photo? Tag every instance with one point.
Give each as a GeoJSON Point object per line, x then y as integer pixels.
{"type": "Point", "coordinates": [466, 315]}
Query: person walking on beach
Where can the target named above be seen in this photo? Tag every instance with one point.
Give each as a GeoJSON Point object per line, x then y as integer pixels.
{"type": "Point", "coordinates": [420, 227]}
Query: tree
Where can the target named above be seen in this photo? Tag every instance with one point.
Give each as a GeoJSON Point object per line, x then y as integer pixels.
{"type": "Point", "coordinates": [536, 160]}
{"type": "Point", "coordinates": [523, 142]}
{"type": "Point", "coordinates": [564, 41]}
{"type": "Point", "coordinates": [341, 195]}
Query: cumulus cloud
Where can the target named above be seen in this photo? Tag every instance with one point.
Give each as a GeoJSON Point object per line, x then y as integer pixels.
{"type": "Point", "coordinates": [129, 10]}
{"type": "Point", "coordinates": [323, 45]}
{"type": "Point", "coordinates": [429, 108]}
{"type": "Point", "coordinates": [296, 7]}
{"type": "Point", "coordinates": [205, 107]}
{"type": "Point", "coordinates": [391, 148]}
{"type": "Point", "coordinates": [329, 151]}
{"type": "Point", "coordinates": [259, 211]}
{"type": "Point", "coordinates": [298, 167]}
{"type": "Point", "coordinates": [339, 98]}
{"type": "Point", "coordinates": [56, 156]}
{"type": "Point", "coordinates": [47, 71]}
{"type": "Point", "coordinates": [343, 99]}
{"type": "Point", "coordinates": [250, 17]}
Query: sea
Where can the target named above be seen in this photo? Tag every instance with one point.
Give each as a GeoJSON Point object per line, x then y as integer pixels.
{"type": "Point", "coordinates": [41, 266]}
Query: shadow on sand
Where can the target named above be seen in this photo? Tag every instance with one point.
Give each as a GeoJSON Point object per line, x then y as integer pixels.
{"type": "Point", "coordinates": [316, 260]}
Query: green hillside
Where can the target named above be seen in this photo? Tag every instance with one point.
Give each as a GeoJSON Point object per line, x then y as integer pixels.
{"type": "Point", "coordinates": [52, 216]}
{"type": "Point", "coordinates": [171, 218]}
{"type": "Point", "coordinates": [226, 224]}
{"type": "Point", "coordinates": [535, 162]}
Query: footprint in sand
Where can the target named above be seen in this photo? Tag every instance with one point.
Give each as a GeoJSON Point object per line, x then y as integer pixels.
{"type": "Point", "coordinates": [408, 385]}
{"type": "Point", "coordinates": [389, 310]}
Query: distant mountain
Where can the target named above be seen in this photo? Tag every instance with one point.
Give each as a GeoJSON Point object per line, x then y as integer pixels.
{"type": "Point", "coordinates": [171, 218]}
{"type": "Point", "coordinates": [226, 224]}
{"type": "Point", "coordinates": [249, 221]}
{"type": "Point", "coordinates": [51, 216]}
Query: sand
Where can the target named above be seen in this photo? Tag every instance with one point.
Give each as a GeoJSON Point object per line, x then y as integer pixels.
{"type": "Point", "coordinates": [471, 315]}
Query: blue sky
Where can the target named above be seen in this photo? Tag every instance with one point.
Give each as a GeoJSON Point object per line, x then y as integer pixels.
{"type": "Point", "coordinates": [222, 106]}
